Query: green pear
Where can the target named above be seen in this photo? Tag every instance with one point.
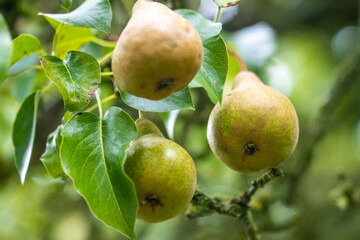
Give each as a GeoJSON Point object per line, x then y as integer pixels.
{"type": "Point", "coordinates": [163, 173]}
{"type": "Point", "coordinates": [256, 127]}
{"type": "Point", "coordinates": [158, 53]}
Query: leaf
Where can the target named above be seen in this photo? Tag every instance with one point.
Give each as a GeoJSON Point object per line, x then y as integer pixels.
{"type": "Point", "coordinates": [169, 119]}
{"type": "Point", "coordinates": [226, 3]}
{"type": "Point", "coordinates": [25, 45]}
{"type": "Point", "coordinates": [93, 154]}
{"type": "Point", "coordinates": [24, 133]}
{"type": "Point", "coordinates": [68, 38]}
{"type": "Point", "coordinates": [177, 100]}
{"type": "Point", "coordinates": [51, 157]}
{"type": "Point", "coordinates": [213, 71]}
{"type": "Point", "coordinates": [206, 29]}
{"type": "Point", "coordinates": [94, 14]}
{"type": "Point", "coordinates": [65, 4]}
{"type": "Point", "coordinates": [77, 77]}
{"type": "Point", "coordinates": [5, 48]}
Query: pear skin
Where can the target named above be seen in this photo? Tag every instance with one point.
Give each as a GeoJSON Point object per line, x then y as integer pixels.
{"type": "Point", "coordinates": [163, 173]}
{"type": "Point", "coordinates": [158, 53]}
{"type": "Point", "coordinates": [256, 126]}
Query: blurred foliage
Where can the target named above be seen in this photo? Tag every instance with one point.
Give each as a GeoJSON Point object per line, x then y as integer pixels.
{"type": "Point", "coordinates": [296, 46]}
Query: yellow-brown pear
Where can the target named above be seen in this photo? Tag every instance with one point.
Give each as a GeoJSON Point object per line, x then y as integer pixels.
{"type": "Point", "coordinates": [256, 127]}
{"type": "Point", "coordinates": [158, 53]}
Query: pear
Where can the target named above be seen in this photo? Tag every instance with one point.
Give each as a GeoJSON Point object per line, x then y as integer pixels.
{"type": "Point", "coordinates": [158, 53]}
{"type": "Point", "coordinates": [256, 127]}
{"type": "Point", "coordinates": [163, 173]}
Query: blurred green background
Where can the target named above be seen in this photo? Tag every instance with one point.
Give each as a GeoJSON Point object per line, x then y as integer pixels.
{"type": "Point", "coordinates": [300, 47]}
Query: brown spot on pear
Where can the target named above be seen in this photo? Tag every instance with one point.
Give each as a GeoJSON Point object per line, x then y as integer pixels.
{"type": "Point", "coordinates": [158, 53]}
{"type": "Point", "coordinates": [163, 174]}
{"type": "Point", "coordinates": [256, 127]}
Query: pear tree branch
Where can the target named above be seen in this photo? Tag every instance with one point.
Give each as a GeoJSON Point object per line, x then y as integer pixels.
{"type": "Point", "coordinates": [203, 205]}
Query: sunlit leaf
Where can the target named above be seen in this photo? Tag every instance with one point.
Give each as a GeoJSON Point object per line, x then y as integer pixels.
{"type": "Point", "coordinates": [68, 38]}
{"type": "Point", "coordinates": [206, 29]}
{"type": "Point", "coordinates": [226, 3]}
{"type": "Point", "coordinates": [51, 156]}
{"type": "Point", "coordinates": [24, 133]}
{"type": "Point", "coordinates": [5, 48]}
{"type": "Point", "coordinates": [94, 14]}
{"type": "Point", "coordinates": [25, 45]}
{"type": "Point", "coordinates": [65, 4]}
{"type": "Point", "coordinates": [177, 100]}
{"type": "Point", "coordinates": [77, 77]}
{"type": "Point", "coordinates": [93, 154]}
{"type": "Point", "coordinates": [213, 71]}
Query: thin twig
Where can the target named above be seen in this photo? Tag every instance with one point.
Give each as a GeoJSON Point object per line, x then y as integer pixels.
{"type": "Point", "coordinates": [217, 17]}
{"type": "Point", "coordinates": [109, 98]}
{"type": "Point", "coordinates": [98, 99]}
{"type": "Point", "coordinates": [251, 230]}
{"type": "Point", "coordinates": [203, 205]}
{"type": "Point", "coordinates": [105, 58]}
{"type": "Point", "coordinates": [104, 43]}
{"type": "Point", "coordinates": [103, 74]}
{"type": "Point", "coordinates": [23, 70]}
{"type": "Point", "coordinates": [210, 205]}
{"type": "Point", "coordinates": [46, 88]}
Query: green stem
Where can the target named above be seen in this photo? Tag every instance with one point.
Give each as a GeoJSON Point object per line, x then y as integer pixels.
{"type": "Point", "coordinates": [142, 114]}
{"type": "Point", "coordinates": [106, 73]}
{"type": "Point", "coordinates": [103, 43]}
{"type": "Point", "coordinates": [46, 88]}
{"type": "Point", "coordinates": [23, 70]}
{"type": "Point", "coordinates": [109, 98]}
{"type": "Point", "coordinates": [98, 99]}
{"type": "Point", "coordinates": [217, 17]}
{"type": "Point", "coordinates": [105, 58]}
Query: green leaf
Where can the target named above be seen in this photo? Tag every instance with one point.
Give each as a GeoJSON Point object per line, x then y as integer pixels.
{"type": "Point", "coordinates": [226, 3]}
{"type": "Point", "coordinates": [51, 157]}
{"type": "Point", "coordinates": [24, 133]}
{"type": "Point", "coordinates": [66, 4]}
{"type": "Point", "coordinates": [94, 14]}
{"type": "Point", "coordinates": [206, 29]}
{"type": "Point", "coordinates": [169, 119]}
{"type": "Point", "coordinates": [68, 38]}
{"type": "Point", "coordinates": [77, 77]}
{"type": "Point", "coordinates": [25, 45]}
{"type": "Point", "coordinates": [177, 100]}
{"type": "Point", "coordinates": [213, 71]}
{"type": "Point", "coordinates": [5, 48]}
{"type": "Point", "coordinates": [93, 154]}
